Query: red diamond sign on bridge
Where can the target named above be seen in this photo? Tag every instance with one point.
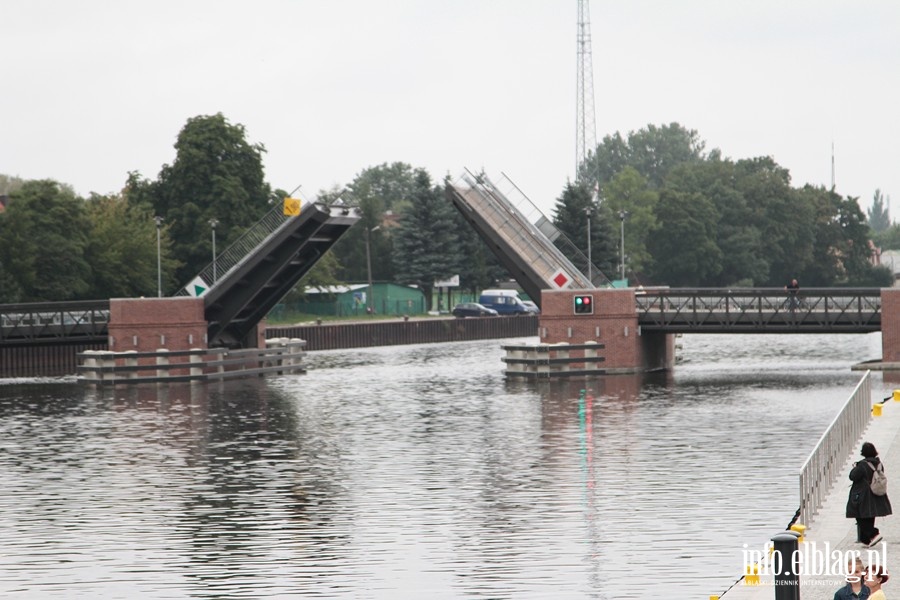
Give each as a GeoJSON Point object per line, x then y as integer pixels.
{"type": "Point", "coordinates": [560, 279]}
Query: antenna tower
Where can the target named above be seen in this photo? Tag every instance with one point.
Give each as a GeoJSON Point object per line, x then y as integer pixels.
{"type": "Point", "coordinates": [585, 127]}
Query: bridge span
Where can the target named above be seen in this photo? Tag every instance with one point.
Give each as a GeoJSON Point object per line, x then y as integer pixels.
{"type": "Point", "coordinates": [759, 310]}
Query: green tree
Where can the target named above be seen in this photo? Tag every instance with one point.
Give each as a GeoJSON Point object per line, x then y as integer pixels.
{"type": "Point", "coordinates": [738, 237]}
{"type": "Point", "coordinates": [889, 239]}
{"type": "Point", "coordinates": [10, 184]}
{"type": "Point", "coordinates": [379, 192]}
{"type": "Point", "coordinates": [43, 237]}
{"type": "Point", "coordinates": [216, 174]}
{"type": "Point", "coordinates": [570, 218]}
{"type": "Point", "coordinates": [684, 246]}
{"type": "Point", "coordinates": [879, 216]}
{"type": "Point", "coordinates": [121, 249]}
{"type": "Point", "coordinates": [426, 245]}
{"type": "Point", "coordinates": [785, 222]}
{"type": "Point", "coordinates": [629, 191]}
{"type": "Point", "coordinates": [652, 152]}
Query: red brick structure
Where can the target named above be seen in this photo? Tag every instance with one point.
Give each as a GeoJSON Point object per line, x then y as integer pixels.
{"type": "Point", "coordinates": [890, 325]}
{"type": "Point", "coordinates": [148, 324]}
{"type": "Point", "coordinates": [614, 323]}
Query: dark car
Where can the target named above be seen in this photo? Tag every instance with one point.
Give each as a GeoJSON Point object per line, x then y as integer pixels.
{"type": "Point", "coordinates": [473, 309]}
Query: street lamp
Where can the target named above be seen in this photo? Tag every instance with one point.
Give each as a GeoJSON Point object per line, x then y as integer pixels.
{"type": "Point", "coordinates": [159, 221]}
{"type": "Point", "coordinates": [212, 223]}
{"type": "Point", "coordinates": [622, 215]}
{"type": "Point", "coordinates": [587, 211]}
{"type": "Point", "coordinates": [369, 266]}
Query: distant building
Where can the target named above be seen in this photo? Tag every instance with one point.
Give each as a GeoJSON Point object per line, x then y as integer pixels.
{"type": "Point", "coordinates": [351, 300]}
{"type": "Point", "coordinates": [891, 260]}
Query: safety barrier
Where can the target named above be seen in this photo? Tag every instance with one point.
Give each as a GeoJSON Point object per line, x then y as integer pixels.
{"type": "Point", "coordinates": [538, 361]}
{"type": "Point", "coordinates": [837, 443]}
{"type": "Point", "coordinates": [281, 356]}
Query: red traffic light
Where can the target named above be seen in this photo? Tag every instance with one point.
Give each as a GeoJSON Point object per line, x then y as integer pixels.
{"type": "Point", "coordinates": [584, 305]}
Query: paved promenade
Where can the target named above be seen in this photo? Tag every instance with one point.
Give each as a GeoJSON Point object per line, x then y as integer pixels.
{"type": "Point", "coordinates": [831, 526]}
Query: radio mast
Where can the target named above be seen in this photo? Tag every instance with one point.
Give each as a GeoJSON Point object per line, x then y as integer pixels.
{"type": "Point", "coordinates": [585, 127]}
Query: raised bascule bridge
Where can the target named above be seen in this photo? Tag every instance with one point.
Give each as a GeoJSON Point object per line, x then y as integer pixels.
{"type": "Point", "coordinates": [224, 304]}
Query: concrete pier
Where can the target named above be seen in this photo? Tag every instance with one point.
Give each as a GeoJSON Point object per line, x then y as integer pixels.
{"type": "Point", "coordinates": [832, 527]}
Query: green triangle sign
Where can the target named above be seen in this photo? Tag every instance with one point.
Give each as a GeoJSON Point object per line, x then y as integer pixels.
{"type": "Point", "coordinates": [198, 290]}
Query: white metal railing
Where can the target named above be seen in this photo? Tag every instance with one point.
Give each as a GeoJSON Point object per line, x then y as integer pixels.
{"type": "Point", "coordinates": [827, 459]}
{"type": "Point", "coordinates": [251, 239]}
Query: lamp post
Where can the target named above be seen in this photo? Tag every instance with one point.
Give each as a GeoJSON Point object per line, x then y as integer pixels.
{"type": "Point", "coordinates": [159, 221]}
{"type": "Point", "coordinates": [369, 266]}
{"type": "Point", "coordinates": [212, 223]}
{"type": "Point", "coordinates": [622, 215]}
{"type": "Point", "coordinates": [588, 211]}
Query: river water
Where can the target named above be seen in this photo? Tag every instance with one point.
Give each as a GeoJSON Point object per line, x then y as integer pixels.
{"type": "Point", "coordinates": [417, 472]}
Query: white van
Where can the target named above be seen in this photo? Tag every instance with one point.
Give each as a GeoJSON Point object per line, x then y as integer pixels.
{"type": "Point", "coordinates": [505, 302]}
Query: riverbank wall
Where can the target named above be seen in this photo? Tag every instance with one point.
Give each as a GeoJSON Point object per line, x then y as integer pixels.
{"type": "Point", "coordinates": [336, 336]}
{"type": "Point", "coordinates": [57, 360]}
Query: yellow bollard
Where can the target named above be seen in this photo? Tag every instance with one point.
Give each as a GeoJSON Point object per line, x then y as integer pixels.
{"type": "Point", "coordinates": [751, 576]}
{"type": "Point", "coordinates": [876, 410]}
{"type": "Point", "coordinates": [799, 528]}
{"type": "Point", "coordinates": [896, 395]}
{"type": "Point", "coordinates": [713, 598]}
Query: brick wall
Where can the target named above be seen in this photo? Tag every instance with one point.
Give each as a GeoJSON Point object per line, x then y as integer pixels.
{"type": "Point", "coordinates": [614, 324]}
{"type": "Point", "coordinates": [890, 325]}
{"type": "Point", "coordinates": [148, 324]}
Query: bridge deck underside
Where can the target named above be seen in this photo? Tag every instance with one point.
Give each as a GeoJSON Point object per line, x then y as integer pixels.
{"type": "Point", "coordinates": [825, 313]}
{"type": "Point", "coordinates": [239, 301]}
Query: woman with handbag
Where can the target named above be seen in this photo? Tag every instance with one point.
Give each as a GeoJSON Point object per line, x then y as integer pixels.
{"type": "Point", "coordinates": [864, 504]}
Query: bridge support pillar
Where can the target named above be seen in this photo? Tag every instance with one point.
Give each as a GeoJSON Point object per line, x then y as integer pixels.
{"type": "Point", "coordinates": [890, 325]}
{"type": "Point", "coordinates": [148, 324]}
{"type": "Point", "coordinates": [614, 323]}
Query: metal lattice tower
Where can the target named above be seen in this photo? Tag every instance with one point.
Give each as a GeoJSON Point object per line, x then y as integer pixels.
{"type": "Point", "coordinates": [585, 127]}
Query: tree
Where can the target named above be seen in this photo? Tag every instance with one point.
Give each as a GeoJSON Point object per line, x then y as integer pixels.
{"type": "Point", "coordinates": [426, 246]}
{"type": "Point", "coordinates": [629, 191]}
{"type": "Point", "coordinates": [10, 184]}
{"type": "Point", "coordinates": [121, 249]}
{"type": "Point", "coordinates": [43, 236]}
{"type": "Point", "coordinates": [784, 221]}
{"type": "Point", "coordinates": [652, 152]}
{"type": "Point", "coordinates": [570, 218]}
{"type": "Point", "coordinates": [379, 190]}
{"type": "Point", "coordinates": [216, 174]}
{"type": "Point", "coordinates": [879, 214]}
{"type": "Point", "coordinates": [684, 246]}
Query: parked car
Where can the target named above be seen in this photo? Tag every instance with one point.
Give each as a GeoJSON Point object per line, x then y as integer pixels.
{"type": "Point", "coordinates": [531, 306]}
{"type": "Point", "coordinates": [472, 309]}
{"type": "Point", "coordinates": [505, 302]}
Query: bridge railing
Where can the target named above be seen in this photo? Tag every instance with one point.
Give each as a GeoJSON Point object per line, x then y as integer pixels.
{"type": "Point", "coordinates": [241, 248]}
{"type": "Point", "coordinates": [835, 446]}
{"type": "Point", "coordinates": [22, 323]}
{"type": "Point", "coordinates": [705, 308]}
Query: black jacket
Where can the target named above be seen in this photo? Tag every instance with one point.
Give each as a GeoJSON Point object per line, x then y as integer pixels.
{"type": "Point", "coordinates": [862, 503]}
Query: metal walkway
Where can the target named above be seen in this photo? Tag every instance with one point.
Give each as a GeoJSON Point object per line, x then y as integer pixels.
{"type": "Point", "coordinates": [523, 239]}
{"type": "Point", "coordinates": [759, 310]}
{"type": "Point", "coordinates": [252, 275]}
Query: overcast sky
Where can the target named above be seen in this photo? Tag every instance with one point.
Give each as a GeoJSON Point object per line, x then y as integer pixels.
{"type": "Point", "coordinates": [94, 89]}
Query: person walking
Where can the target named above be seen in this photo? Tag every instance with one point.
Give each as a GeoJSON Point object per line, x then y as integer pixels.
{"type": "Point", "coordinates": [863, 504]}
{"type": "Point", "coordinates": [793, 290]}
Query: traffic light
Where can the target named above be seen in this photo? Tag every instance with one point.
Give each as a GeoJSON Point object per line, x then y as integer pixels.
{"type": "Point", "coordinates": [584, 305]}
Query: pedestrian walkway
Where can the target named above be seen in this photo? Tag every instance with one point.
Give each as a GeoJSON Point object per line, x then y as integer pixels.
{"type": "Point", "coordinates": [832, 527]}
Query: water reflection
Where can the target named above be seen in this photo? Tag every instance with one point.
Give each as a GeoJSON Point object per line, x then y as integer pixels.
{"type": "Point", "coordinates": [415, 471]}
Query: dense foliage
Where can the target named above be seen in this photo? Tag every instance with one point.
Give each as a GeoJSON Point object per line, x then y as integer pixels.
{"type": "Point", "coordinates": [691, 218]}
{"type": "Point", "coordinates": [698, 219]}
